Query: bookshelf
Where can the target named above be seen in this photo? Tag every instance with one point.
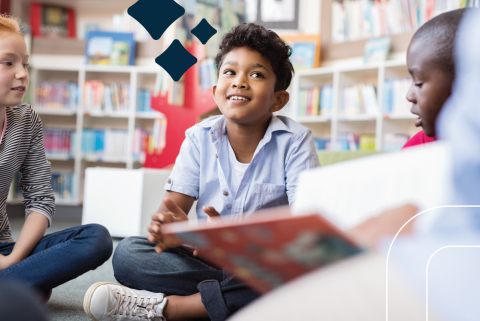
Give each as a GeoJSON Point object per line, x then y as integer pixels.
{"type": "Point", "coordinates": [333, 125]}
{"type": "Point", "coordinates": [80, 118]}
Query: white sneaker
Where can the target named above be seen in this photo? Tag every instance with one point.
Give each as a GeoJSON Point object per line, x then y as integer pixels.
{"type": "Point", "coordinates": [109, 301]}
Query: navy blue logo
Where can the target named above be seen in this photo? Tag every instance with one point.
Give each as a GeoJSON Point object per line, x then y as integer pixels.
{"type": "Point", "coordinates": [176, 60]}
{"type": "Point", "coordinates": [156, 16]}
{"type": "Point", "coordinates": [204, 31]}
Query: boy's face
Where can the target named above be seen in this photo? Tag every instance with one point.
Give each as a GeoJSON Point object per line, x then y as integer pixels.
{"type": "Point", "coordinates": [245, 90]}
{"type": "Point", "coordinates": [13, 69]}
{"type": "Point", "coordinates": [431, 86]}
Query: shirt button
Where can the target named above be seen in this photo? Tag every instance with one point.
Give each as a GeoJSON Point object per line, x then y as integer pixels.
{"type": "Point", "coordinates": [225, 193]}
{"type": "Point", "coordinates": [216, 155]}
{"type": "Point", "coordinates": [169, 181]}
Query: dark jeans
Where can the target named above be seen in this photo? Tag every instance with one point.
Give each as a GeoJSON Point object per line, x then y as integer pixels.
{"type": "Point", "coordinates": [178, 272]}
{"type": "Point", "coordinates": [61, 257]}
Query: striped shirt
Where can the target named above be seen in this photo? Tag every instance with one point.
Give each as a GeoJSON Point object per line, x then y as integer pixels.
{"type": "Point", "coordinates": [22, 149]}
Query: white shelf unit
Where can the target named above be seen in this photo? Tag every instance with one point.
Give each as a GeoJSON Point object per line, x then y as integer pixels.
{"type": "Point", "coordinates": [330, 126]}
{"type": "Point", "coordinates": [80, 118]}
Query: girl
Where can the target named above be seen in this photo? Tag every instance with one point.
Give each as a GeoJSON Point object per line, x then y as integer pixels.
{"type": "Point", "coordinates": [42, 262]}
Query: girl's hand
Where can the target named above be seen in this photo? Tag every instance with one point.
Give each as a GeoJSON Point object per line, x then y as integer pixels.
{"type": "Point", "coordinates": [5, 262]}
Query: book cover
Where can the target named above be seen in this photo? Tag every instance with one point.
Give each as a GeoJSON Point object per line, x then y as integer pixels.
{"type": "Point", "coordinates": [110, 48]}
{"type": "Point", "coordinates": [269, 248]}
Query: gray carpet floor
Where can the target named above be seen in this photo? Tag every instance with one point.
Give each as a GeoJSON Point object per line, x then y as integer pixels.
{"type": "Point", "coordinates": [66, 302]}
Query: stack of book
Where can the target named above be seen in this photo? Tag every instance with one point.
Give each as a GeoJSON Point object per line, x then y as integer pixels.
{"type": "Point", "coordinates": [146, 142]}
{"type": "Point", "coordinates": [353, 142]}
{"type": "Point", "coordinates": [208, 74]}
{"type": "Point", "coordinates": [57, 95]}
{"type": "Point", "coordinates": [361, 19]}
{"type": "Point", "coordinates": [104, 145]}
{"type": "Point", "coordinates": [63, 185]}
{"type": "Point", "coordinates": [360, 99]}
{"type": "Point", "coordinates": [315, 101]}
{"type": "Point", "coordinates": [106, 97]}
{"type": "Point", "coordinates": [59, 143]}
{"type": "Point", "coordinates": [394, 142]}
{"type": "Point", "coordinates": [144, 100]}
{"type": "Point", "coordinates": [394, 96]}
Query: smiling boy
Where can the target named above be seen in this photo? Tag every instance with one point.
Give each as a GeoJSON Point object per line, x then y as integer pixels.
{"type": "Point", "coordinates": [430, 62]}
{"type": "Point", "coordinates": [234, 164]}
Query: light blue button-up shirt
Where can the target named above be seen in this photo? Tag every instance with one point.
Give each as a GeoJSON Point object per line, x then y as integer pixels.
{"type": "Point", "coordinates": [203, 170]}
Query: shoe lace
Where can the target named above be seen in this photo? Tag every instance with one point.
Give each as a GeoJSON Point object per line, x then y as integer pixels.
{"type": "Point", "coordinates": [130, 303]}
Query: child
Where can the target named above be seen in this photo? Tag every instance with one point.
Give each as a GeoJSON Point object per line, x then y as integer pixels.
{"type": "Point", "coordinates": [431, 65]}
{"type": "Point", "coordinates": [243, 161]}
{"type": "Point", "coordinates": [41, 262]}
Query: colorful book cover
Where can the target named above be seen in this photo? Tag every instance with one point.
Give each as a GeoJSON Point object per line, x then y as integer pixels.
{"type": "Point", "coordinates": [269, 248]}
{"type": "Point", "coordinates": [110, 48]}
{"type": "Point", "coordinates": [303, 55]}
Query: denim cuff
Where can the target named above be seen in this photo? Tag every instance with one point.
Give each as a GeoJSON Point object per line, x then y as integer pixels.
{"type": "Point", "coordinates": [212, 299]}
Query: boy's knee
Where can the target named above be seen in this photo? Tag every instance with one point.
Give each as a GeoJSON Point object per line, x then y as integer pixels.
{"type": "Point", "coordinates": [124, 253]}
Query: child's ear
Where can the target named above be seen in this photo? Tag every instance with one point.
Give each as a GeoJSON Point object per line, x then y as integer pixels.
{"type": "Point", "coordinates": [214, 90]}
{"type": "Point", "coordinates": [281, 99]}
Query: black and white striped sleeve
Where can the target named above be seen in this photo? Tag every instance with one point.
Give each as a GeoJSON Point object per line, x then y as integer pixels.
{"type": "Point", "coordinates": [36, 174]}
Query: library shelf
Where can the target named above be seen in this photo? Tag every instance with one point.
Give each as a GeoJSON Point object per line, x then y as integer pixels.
{"type": "Point", "coordinates": [60, 158]}
{"type": "Point", "coordinates": [149, 115]}
{"type": "Point", "coordinates": [56, 111]}
{"type": "Point", "coordinates": [347, 118]}
{"type": "Point", "coordinates": [312, 119]}
{"type": "Point", "coordinates": [400, 116]}
{"type": "Point", "coordinates": [339, 77]}
{"type": "Point", "coordinates": [104, 113]}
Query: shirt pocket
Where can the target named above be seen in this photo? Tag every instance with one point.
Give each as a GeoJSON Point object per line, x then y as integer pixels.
{"type": "Point", "coordinates": [270, 195]}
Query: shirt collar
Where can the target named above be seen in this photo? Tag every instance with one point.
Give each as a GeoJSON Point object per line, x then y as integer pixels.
{"type": "Point", "coordinates": [218, 127]}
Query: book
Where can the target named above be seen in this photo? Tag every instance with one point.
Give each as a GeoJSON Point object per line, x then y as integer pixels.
{"type": "Point", "coordinates": [377, 49]}
{"type": "Point", "coordinates": [359, 99]}
{"type": "Point", "coordinates": [315, 100]}
{"type": "Point", "coordinates": [104, 145]}
{"type": "Point", "coordinates": [361, 19]}
{"type": "Point", "coordinates": [59, 142]}
{"type": "Point", "coordinates": [394, 96]}
{"type": "Point", "coordinates": [353, 142]}
{"type": "Point", "coordinates": [110, 48]}
{"type": "Point", "coordinates": [269, 248]}
{"type": "Point", "coordinates": [56, 95]}
{"type": "Point", "coordinates": [106, 97]}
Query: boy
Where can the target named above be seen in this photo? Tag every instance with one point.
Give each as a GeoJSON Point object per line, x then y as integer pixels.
{"type": "Point", "coordinates": [243, 161]}
{"type": "Point", "coordinates": [430, 62]}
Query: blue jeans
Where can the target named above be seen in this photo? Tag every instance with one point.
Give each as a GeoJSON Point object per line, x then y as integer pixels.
{"type": "Point", "coordinates": [178, 272]}
{"type": "Point", "coordinates": [61, 257]}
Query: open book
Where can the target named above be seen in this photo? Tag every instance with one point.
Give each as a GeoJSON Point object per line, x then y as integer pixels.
{"type": "Point", "coordinates": [268, 249]}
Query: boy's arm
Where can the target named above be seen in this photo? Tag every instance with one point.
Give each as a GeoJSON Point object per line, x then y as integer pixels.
{"type": "Point", "coordinates": [32, 232]}
{"type": "Point", "coordinates": [303, 156]}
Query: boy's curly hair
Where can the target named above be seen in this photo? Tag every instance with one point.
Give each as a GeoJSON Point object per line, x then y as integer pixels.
{"type": "Point", "coordinates": [267, 43]}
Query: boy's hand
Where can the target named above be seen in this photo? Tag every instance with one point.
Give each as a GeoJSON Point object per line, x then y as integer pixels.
{"type": "Point", "coordinates": [214, 218]}
{"type": "Point", "coordinates": [174, 214]}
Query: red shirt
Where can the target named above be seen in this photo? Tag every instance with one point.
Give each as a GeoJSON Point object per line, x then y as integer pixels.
{"type": "Point", "coordinates": [419, 139]}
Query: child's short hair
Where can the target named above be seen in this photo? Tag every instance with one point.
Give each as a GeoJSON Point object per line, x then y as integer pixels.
{"type": "Point", "coordinates": [439, 33]}
{"type": "Point", "coordinates": [10, 24]}
{"type": "Point", "coordinates": [267, 43]}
